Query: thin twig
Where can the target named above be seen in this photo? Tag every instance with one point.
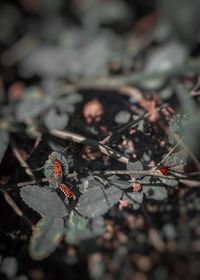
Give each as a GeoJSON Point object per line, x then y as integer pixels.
{"type": "Point", "coordinates": [71, 136]}
{"type": "Point", "coordinates": [43, 180]}
{"type": "Point", "coordinates": [15, 208]}
{"type": "Point", "coordinates": [184, 146]}
{"type": "Point", "coordinates": [166, 156]}
{"type": "Point", "coordinates": [37, 142]}
{"type": "Point", "coordinates": [190, 183]}
{"type": "Point", "coordinates": [23, 163]}
{"type": "Point", "coordinates": [132, 123]}
{"type": "Point", "coordinates": [150, 172]}
{"type": "Point", "coordinates": [138, 78]}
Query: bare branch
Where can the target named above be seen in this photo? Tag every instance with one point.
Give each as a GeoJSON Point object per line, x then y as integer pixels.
{"type": "Point", "coordinates": [88, 141]}
{"type": "Point", "coordinates": [23, 163]}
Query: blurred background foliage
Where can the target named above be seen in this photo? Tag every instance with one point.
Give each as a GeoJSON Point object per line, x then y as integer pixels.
{"type": "Point", "coordinates": [48, 45]}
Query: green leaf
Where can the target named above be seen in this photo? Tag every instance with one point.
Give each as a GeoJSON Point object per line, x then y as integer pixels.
{"type": "Point", "coordinates": [97, 200]}
{"type": "Point", "coordinates": [98, 225]}
{"type": "Point", "coordinates": [153, 189]}
{"type": "Point", "coordinates": [77, 229]}
{"type": "Point", "coordinates": [43, 201]}
{"type": "Point", "coordinates": [66, 104]}
{"type": "Point", "coordinates": [177, 125]}
{"type": "Point", "coordinates": [32, 104]}
{"type": "Point", "coordinates": [134, 199]}
{"type": "Point", "coordinates": [187, 104]}
{"type": "Point", "coordinates": [134, 166]}
{"type": "Point", "coordinates": [46, 237]}
{"type": "Point", "coordinates": [191, 133]}
{"type": "Point", "coordinates": [55, 120]}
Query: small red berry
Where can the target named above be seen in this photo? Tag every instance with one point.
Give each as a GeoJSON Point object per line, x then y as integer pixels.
{"type": "Point", "coordinates": [164, 170]}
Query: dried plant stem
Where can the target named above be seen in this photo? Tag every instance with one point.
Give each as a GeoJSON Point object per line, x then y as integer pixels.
{"type": "Point", "coordinates": [88, 141]}
{"type": "Point", "coordinates": [110, 83]}
{"type": "Point", "coordinates": [190, 183]}
{"type": "Point", "coordinates": [22, 184]}
{"type": "Point", "coordinates": [36, 144]}
{"type": "Point", "coordinates": [167, 155]}
{"type": "Point", "coordinates": [132, 123]}
{"type": "Point", "coordinates": [43, 180]}
{"type": "Point", "coordinates": [23, 163]}
{"type": "Point", "coordinates": [15, 208]}
{"type": "Point", "coordinates": [154, 173]}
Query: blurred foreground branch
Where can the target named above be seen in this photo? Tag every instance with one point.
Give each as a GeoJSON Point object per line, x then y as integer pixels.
{"type": "Point", "coordinates": [137, 78]}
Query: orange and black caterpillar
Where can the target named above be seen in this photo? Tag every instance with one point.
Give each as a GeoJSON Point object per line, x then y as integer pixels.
{"type": "Point", "coordinates": [67, 192]}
